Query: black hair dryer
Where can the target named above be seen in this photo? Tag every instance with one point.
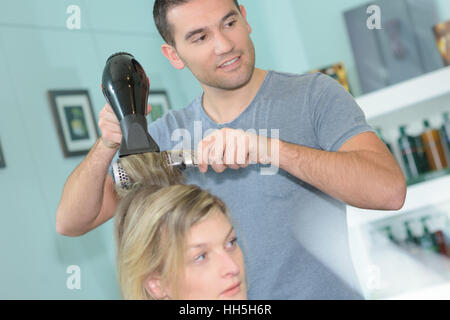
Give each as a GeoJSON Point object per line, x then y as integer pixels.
{"type": "Point", "coordinates": [126, 87]}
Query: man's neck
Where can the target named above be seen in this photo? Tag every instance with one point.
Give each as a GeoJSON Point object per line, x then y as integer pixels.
{"type": "Point", "coordinates": [223, 106]}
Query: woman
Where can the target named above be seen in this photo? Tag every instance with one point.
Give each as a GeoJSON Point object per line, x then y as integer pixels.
{"type": "Point", "coordinates": [175, 241]}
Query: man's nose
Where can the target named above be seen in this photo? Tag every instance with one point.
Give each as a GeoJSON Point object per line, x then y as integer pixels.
{"type": "Point", "coordinates": [223, 44]}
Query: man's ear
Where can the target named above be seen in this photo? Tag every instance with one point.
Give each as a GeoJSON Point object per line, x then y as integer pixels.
{"type": "Point", "coordinates": [244, 14]}
{"type": "Point", "coordinates": [170, 53]}
{"type": "Point", "coordinates": [155, 289]}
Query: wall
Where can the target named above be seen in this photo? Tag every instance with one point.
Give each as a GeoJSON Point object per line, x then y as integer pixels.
{"type": "Point", "coordinates": [324, 34]}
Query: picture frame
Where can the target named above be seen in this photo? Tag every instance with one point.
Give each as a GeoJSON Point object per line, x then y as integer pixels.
{"type": "Point", "coordinates": [75, 121]}
{"type": "Point", "coordinates": [159, 100]}
{"type": "Point", "coordinates": [338, 72]}
{"type": "Point", "coordinates": [442, 35]}
{"type": "Point", "coordinates": [2, 158]}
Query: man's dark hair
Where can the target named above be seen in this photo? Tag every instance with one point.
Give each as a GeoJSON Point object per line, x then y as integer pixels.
{"type": "Point", "coordinates": [160, 9]}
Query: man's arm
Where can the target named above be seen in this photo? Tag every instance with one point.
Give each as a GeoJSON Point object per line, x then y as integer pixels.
{"type": "Point", "coordinates": [363, 173]}
{"type": "Point", "coordinates": [88, 198]}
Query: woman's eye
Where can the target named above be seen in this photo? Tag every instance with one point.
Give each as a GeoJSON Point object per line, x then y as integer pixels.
{"type": "Point", "coordinates": [232, 243]}
{"type": "Point", "coordinates": [200, 258]}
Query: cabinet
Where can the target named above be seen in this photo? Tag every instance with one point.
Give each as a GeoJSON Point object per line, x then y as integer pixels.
{"type": "Point", "coordinates": [387, 270]}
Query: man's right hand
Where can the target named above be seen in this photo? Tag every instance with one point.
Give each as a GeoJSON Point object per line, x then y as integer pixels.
{"type": "Point", "coordinates": [110, 127]}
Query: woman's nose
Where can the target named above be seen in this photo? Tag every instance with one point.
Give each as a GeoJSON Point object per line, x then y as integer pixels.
{"type": "Point", "coordinates": [229, 264]}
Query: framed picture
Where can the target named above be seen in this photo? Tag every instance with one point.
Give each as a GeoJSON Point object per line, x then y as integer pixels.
{"type": "Point", "coordinates": [2, 158]}
{"type": "Point", "coordinates": [337, 72]}
{"type": "Point", "coordinates": [160, 104]}
{"type": "Point", "coordinates": [442, 34]}
{"type": "Point", "coordinates": [74, 118]}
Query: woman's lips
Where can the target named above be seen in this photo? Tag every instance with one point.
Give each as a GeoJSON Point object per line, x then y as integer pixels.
{"type": "Point", "coordinates": [231, 291]}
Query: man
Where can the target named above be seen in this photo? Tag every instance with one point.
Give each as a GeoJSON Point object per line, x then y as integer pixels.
{"type": "Point", "coordinates": [292, 223]}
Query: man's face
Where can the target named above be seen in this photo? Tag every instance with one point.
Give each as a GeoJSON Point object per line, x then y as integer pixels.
{"type": "Point", "coordinates": [209, 33]}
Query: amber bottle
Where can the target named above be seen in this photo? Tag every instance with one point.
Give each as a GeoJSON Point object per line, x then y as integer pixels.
{"type": "Point", "coordinates": [433, 148]}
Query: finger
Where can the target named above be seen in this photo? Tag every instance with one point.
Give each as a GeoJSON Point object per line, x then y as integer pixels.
{"type": "Point", "coordinates": [106, 126]}
{"type": "Point", "coordinates": [216, 158]}
{"type": "Point", "coordinates": [230, 156]}
{"type": "Point", "coordinates": [203, 149]}
{"type": "Point", "coordinates": [247, 162]}
{"type": "Point", "coordinates": [242, 150]}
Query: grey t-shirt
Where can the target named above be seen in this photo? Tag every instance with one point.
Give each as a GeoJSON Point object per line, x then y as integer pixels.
{"type": "Point", "coordinates": [294, 237]}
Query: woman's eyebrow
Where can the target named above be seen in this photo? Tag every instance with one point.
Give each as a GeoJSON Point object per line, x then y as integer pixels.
{"type": "Point", "coordinates": [200, 30]}
{"type": "Point", "coordinates": [202, 245]}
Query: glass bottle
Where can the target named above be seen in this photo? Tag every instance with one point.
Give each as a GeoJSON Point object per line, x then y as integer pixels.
{"type": "Point", "coordinates": [423, 165]}
{"type": "Point", "coordinates": [445, 137]}
{"type": "Point", "coordinates": [433, 148]}
{"type": "Point", "coordinates": [409, 154]}
{"type": "Point", "coordinates": [427, 240]}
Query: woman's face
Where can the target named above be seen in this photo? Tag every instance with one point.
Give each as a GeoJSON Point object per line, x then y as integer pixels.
{"type": "Point", "coordinates": [214, 264]}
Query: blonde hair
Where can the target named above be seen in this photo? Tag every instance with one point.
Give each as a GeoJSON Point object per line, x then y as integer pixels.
{"type": "Point", "coordinates": [151, 225]}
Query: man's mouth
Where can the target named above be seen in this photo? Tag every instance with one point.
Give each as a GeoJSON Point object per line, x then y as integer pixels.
{"type": "Point", "coordinates": [230, 62]}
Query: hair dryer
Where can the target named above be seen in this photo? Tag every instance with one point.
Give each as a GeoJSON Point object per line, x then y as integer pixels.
{"type": "Point", "coordinates": [126, 86]}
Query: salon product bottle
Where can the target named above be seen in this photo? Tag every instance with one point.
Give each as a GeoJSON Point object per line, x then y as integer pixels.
{"type": "Point", "coordinates": [388, 232]}
{"type": "Point", "coordinates": [408, 151]}
{"type": "Point", "coordinates": [445, 137]}
{"type": "Point", "coordinates": [440, 227]}
{"type": "Point", "coordinates": [412, 243]}
{"type": "Point", "coordinates": [423, 165]}
{"type": "Point", "coordinates": [428, 241]}
{"type": "Point", "coordinates": [380, 135]}
{"type": "Point", "coordinates": [433, 148]}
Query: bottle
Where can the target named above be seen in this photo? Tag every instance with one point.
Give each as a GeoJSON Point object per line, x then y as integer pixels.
{"type": "Point", "coordinates": [388, 233]}
{"type": "Point", "coordinates": [409, 154]}
{"type": "Point", "coordinates": [411, 238]}
{"type": "Point", "coordinates": [423, 165]}
{"type": "Point", "coordinates": [428, 241]}
{"type": "Point", "coordinates": [433, 148]}
{"type": "Point", "coordinates": [384, 141]}
{"type": "Point", "coordinates": [445, 137]}
{"type": "Point", "coordinates": [437, 231]}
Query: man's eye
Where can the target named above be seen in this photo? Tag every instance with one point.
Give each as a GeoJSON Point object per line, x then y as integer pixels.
{"type": "Point", "coordinates": [200, 39]}
{"type": "Point", "coordinates": [230, 24]}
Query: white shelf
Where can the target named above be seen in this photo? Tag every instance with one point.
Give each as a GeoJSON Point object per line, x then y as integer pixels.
{"type": "Point", "coordinates": [411, 92]}
{"type": "Point", "coordinates": [439, 292]}
{"type": "Point", "coordinates": [425, 194]}
{"type": "Point", "coordinates": [407, 103]}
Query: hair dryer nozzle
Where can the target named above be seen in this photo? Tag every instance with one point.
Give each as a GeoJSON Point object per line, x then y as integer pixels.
{"type": "Point", "coordinates": [126, 87]}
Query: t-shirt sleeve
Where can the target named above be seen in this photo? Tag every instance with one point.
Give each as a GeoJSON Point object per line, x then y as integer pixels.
{"type": "Point", "coordinates": [335, 115]}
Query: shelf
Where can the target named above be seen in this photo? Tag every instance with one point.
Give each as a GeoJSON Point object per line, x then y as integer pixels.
{"type": "Point", "coordinates": [428, 176]}
{"type": "Point", "coordinates": [411, 92]}
{"type": "Point", "coordinates": [439, 292]}
{"type": "Point", "coordinates": [425, 194]}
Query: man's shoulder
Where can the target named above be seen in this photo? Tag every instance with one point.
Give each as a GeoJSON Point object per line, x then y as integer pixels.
{"type": "Point", "coordinates": [287, 84]}
{"type": "Point", "coordinates": [283, 78]}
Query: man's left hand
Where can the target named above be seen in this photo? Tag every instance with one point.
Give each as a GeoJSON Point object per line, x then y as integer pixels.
{"type": "Point", "coordinates": [234, 149]}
